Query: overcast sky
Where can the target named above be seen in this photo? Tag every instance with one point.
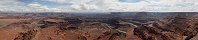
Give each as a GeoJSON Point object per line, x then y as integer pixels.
{"type": "Point", "coordinates": [98, 5]}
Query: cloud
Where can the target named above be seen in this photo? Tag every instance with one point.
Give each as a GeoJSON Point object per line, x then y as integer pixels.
{"type": "Point", "coordinates": [131, 5]}
{"type": "Point", "coordinates": [38, 7]}
{"type": "Point", "coordinates": [8, 0]}
{"type": "Point", "coordinates": [11, 6]}
{"type": "Point", "coordinates": [102, 6]}
{"type": "Point", "coordinates": [16, 6]}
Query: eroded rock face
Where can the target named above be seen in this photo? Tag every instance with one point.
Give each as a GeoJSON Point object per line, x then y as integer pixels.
{"type": "Point", "coordinates": [185, 26]}
{"type": "Point", "coordinates": [171, 28]}
{"type": "Point", "coordinates": [152, 33]}
{"type": "Point", "coordinates": [26, 36]}
{"type": "Point", "coordinates": [168, 29]}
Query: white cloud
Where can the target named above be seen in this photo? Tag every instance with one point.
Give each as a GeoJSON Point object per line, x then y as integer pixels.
{"type": "Point", "coordinates": [143, 5]}
{"type": "Point", "coordinates": [8, 0]}
{"type": "Point", "coordinates": [12, 6]}
{"type": "Point", "coordinates": [102, 5]}
{"type": "Point", "coordinates": [38, 7]}
{"type": "Point", "coordinates": [15, 6]}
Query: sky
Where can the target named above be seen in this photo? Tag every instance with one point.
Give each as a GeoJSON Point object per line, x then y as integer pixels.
{"type": "Point", "coordinates": [98, 5]}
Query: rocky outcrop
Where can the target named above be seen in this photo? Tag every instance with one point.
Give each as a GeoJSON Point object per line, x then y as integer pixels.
{"type": "Point", "coordinates": [26, 36]}
{"type": "Point", "coordinates": [171, 28]}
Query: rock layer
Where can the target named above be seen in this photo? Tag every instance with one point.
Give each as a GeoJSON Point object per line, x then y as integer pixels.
{"type": "Point", "coordinates": [170, 28]}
